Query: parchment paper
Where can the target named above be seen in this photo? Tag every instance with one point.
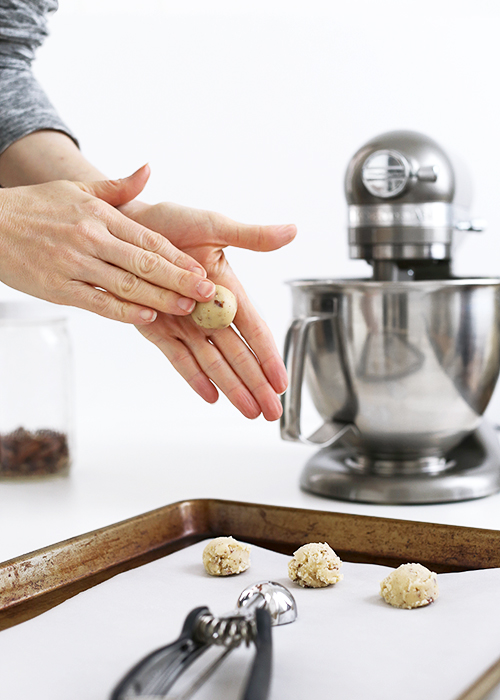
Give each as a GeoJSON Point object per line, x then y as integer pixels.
{"type": "Point", "coordinates": [346, 643]}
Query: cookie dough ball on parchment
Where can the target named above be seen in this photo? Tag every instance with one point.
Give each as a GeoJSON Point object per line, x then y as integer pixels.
{"type": "Point", "coordinates": [225, 556]}
{"type": "Point", "coordinates": [315, 565]}
{"type": "Point", "coordinates": [218, 313]}
{"type": "Point", "coordinates": [410, 586]}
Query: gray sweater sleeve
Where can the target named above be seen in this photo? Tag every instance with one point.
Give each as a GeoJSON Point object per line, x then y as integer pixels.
{"type": "Point", "coordinates": [24, 106]}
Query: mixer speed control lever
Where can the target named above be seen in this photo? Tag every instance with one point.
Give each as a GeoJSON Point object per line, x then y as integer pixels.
{"type": "Point", "coordinates": [427, 173]}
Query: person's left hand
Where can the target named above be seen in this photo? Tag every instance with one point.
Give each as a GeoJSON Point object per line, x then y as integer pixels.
{"type": "Point", "coordinates": [245, 365]}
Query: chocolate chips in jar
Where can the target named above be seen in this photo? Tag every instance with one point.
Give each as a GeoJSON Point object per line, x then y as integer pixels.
{"type": "Point", "coordinates": [26, 453]}
{"type": "Point", "coordinates": [36, 397]}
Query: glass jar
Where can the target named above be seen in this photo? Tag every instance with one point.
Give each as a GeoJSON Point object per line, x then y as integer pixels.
{"type": "Point", "coordinates": [35, 391]}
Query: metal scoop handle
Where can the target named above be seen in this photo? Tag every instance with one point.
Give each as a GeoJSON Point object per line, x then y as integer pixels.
{"type": "Point", "coordinates": [259, 681]}
{"type": "Point", "coordinates": [157, 672]}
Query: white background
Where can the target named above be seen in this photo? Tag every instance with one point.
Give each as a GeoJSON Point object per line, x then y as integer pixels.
{"type": "Point", "coordinates": [254, 109]}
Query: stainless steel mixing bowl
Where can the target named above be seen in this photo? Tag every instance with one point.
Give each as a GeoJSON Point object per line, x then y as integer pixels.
{"type": "Point", "coordinates": [402, 371]}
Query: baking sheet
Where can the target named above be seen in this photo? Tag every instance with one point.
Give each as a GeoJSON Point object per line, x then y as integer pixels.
{"type": "Point", "coordinates": [346, 643]}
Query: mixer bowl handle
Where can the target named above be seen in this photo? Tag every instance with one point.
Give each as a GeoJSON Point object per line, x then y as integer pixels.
{"type": "Point", "coordinates": [294, 356]}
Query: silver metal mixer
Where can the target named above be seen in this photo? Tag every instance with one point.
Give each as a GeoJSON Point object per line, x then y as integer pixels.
{"type": "Point", "coordinates": [401, 366]}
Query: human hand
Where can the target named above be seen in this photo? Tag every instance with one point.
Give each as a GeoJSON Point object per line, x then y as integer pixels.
{"type": "Point", "coordinates": [65, 242]}
{"type": "Point", "coordinates": [245, 365]}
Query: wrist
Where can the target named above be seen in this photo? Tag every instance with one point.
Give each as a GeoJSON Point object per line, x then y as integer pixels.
{"type": "Point", "coordinates": [44, 156]}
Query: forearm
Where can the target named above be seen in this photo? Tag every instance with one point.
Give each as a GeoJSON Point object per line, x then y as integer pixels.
{"type": "Point", "coordinates": [44, 156]}
{"type": "Point", "coordinates": [35, 143]}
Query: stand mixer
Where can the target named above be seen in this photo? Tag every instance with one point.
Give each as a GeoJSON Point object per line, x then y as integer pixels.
{"type": "Point", "coordinates": [401, 366]}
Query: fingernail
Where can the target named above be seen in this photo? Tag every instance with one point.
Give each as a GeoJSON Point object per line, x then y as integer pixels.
{"type": "Point", "coordinates": [148, 315]}
{"type": "Point", "coordinates": [206, 288]}
{"type": "Point", "coordinates": [198, 270]}
{"type": "Point", "coordinates": [287, 230]}
{"type": "Point", "coordinates": [186, 304]}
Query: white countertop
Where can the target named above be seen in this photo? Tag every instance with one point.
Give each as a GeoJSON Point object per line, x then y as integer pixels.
{"type": "Point", "coordinates": [122, 473]}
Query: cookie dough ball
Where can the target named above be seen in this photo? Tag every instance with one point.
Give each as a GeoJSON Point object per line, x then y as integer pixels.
{"type": "Point", "coordinates": [225, 556]}
{"type": "Point", "coordinates": [315, 565]}
{"type": "Point", "coordinates": [218, 313]}
{"type": "Point", "coordinates": [410, 586]}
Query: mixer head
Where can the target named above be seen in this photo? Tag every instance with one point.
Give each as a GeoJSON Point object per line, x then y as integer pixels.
{"type": "Point", "coordinates": [407, 207]}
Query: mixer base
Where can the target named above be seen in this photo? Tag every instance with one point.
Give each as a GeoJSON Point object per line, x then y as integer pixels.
{"type": "Point", "coordinates": [474, 472]}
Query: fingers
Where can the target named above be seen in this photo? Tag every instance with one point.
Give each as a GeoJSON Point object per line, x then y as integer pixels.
{"type": "Point", "coordinates": [222, 359]}
{"type": "Point", "coordinates": [260, 339]}
{"type": "Point", "coordinates": [117, 192]}
{"type": "Point", "coordinates": [136, 264]}
{"type": "Point", "coordinates": [85, 296]}
{"type": "Point", "coordinates": [129, 287]}
{"type": "Point", "coordinates": [150, 256]}
{"type": "Point", "coordinates": [148, 277]}
{"type": "Point", "coordinates": [164, 334]}
{"type": "Point", "coordinates": [246, 369]}
{"type": "Point", "coordinates": [256, 334]}
{"type": "Point", "coordinates": [159, 274]}
{"type": "Point", "coordinates": [249, 236]}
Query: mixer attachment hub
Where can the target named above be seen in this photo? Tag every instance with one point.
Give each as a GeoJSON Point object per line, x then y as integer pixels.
{"type": "Point", "coordinates": [471, 470]}
{"type": "Point", "coordinates": [393, 467]}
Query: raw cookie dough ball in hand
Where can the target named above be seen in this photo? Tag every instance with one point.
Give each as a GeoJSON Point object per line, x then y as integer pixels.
{"type": "Point", "coordinates": [225, 556]}
{"type": "Point", "coordinates": [218, 313]}
{"type": "Point", "coordinates": [315, 565]}
{"type": "Point", "coordinates": [410, 586]}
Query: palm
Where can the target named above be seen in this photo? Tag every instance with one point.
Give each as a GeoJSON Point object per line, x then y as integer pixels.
{"type": "Point", "coordinates": [250, 371]}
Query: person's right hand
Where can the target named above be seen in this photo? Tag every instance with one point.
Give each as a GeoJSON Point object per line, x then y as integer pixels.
{"type": "Point", "coordinates": [66, 243]}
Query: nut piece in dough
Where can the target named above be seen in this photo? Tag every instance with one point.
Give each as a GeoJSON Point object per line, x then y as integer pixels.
{"type": "Point", "coordinates": [410, 586]}
{"type": "Point", "coordinates": [315, 565]}
{"type": "Point", "coordinates": [218, 313]}
{"type": "Point", "coordinates": [225, 556]}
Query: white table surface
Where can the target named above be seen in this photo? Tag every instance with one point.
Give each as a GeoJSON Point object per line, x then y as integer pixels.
{"type": "Point", "coordinates": [119, 475]}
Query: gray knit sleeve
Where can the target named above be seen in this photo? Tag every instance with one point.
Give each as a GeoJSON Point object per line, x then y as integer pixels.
{"type": "Point", "coordinates": [24, 106]}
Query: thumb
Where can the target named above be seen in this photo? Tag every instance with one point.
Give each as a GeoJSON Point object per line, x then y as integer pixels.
{"type": "Point", "coordinates": [118, 192]}
{"type": "Point", "coordinates": [255, 237]}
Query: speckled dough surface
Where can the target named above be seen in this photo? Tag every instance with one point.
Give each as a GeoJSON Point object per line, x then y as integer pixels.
{"type": "Point", "coordinates": [225, 556]}
{"type": "Point", "coordinates": [410, 586]}
{"type": "Point", "coordinates": [217, 313]}
{"type": "Point", "coordinates": [315, 565]}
